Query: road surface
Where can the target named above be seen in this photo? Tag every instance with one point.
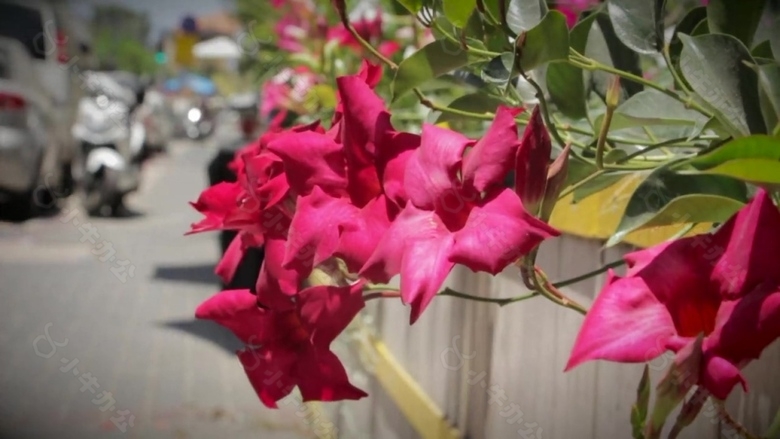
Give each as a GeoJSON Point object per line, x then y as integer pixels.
{"type": "Point", "coordinates": [86, 343]}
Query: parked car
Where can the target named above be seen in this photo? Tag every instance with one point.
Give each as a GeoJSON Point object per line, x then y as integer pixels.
{"type": "Point", "coordinates": [37, 26]}
{"type": "Point", "coordinates": [29, 154]}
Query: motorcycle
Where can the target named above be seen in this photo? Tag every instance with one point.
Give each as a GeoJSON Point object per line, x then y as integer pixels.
{"type": "Point", "coordinates": [197, 123]}
{"type": "Point", "coordinates": [111, 143]}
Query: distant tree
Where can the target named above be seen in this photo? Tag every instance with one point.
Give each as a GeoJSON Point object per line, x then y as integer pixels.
{"type": "Point", "coordinates": [122, 34]}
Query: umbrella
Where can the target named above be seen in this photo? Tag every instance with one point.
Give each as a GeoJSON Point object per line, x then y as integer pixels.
{"type": "Point", "coordinates": [217, 48]}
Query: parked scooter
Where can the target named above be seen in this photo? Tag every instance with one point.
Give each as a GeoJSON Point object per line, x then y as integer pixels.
{"type": "Point", "coordinates": [198, 122]}
{"type": "Point", "coordinates": [111, 142]}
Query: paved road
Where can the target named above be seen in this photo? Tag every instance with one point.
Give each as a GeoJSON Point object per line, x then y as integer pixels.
{"type": "Point", "coordinates": [136, 338]}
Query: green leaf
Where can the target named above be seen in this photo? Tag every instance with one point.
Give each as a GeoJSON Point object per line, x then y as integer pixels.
{"type": "Point", "coordinates": [432, 61]}
{"type": "Point", "coordinates": [762, 50]}
{"type": "Point", "coordinates": [714, 66]}
{"type": "Point", "coordinates": [548, 41]}
{"type": "Point", "coordinates": [459, 11]}
{"type": "Point", "coordinates": [693, 18]}
{"type": "Point", "coordinates": [737, 18]}
{"type": "Point", "coordinates": [499, 69]}
{"type": "Point", "coordinates": [524, 15]}
{"type": "Point", "coordinates": [565, 82]}
{"type": "Point", "coordinates": [651, 107]}
{"type": "Point", "coordinates": [639, 410]}
{"type": "Point", "coordinates": [666, 197]}
{"type": "Point", "coordinates": [754, 159]}
{"type": "Point", "coordinates": [493, 9]}
{"type": "Point", "coordinates": [753, 147]}
{"type": "Point", "coordinates": [413, 6]}
{"type": "Point", "coordinates": [479, 103]}
{"type": "Point", "coordinates": [637, 23]}
{"type": "Point", "coordinates": [604, 46]}
{"type": "Point", "coordinates": [769, 93]}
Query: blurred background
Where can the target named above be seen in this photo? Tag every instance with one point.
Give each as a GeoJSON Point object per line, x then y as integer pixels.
{"type": "Point", "coordinates": [113, 115]}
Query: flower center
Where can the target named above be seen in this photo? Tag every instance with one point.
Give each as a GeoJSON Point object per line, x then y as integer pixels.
{"type": "Point", "coordinates": [294, 328]}
{"type": "Point", "coordinates": [695, 317]}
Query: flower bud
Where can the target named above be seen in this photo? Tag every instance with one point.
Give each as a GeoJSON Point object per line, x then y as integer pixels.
{"type": "Point", "coordinates": [531, 162]}
{"type": "Point", "coordinates": [556, 180]}
{"type": "Point", "coordinates": [613, 92]}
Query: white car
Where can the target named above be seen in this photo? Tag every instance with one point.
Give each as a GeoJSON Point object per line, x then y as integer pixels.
{"type": "Point", "coordinates": [29, 154]}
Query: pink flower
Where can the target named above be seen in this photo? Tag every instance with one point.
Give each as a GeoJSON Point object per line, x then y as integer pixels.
{"type": "Point", "coordinates": [290, 346]}
{"type": "Point", "coordinates": [349, 180]}
{"type": "Point", "coordinates": [572, 9]}
{"type": "Point", "coordinates": [724, 286]}
{"type": "Point", "coordinates": [472, 221]}
{"type": "Point", "coordinates": [370, 29]}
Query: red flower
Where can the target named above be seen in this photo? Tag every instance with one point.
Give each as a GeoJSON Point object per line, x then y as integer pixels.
{"type": "Point", "coordinates": [725, 286]}
{"type": "Point", "coordinates": [474, 222]}
{"type": "Point", "coordinates": [290, 346]}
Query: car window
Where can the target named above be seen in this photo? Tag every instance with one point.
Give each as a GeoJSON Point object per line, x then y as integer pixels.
{"type": "Point", "coordinates": [26, 26]}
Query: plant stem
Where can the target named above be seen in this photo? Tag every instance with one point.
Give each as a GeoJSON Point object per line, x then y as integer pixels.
{"type": "Point", "coordinates": [368, 45]}
{"type": "Point", "coordinates": [583, 62]}
{"type": "Point", "coordinates": [574, 280]}
{"type": "Point", "coordinates": [549, 291]}
{"type": "Point", "coordinates": [677, 79]}
{"type": "Point", "coordinates": [733, 423]}
{"type": "Point", "coordinates": [575, 186]}
{"type": "Point", "coordinates": [381, 295]}
{"type": "Point", "coordinates": [457, 41]}
{"type": "Point", "coordinates": [602, 141]}
{"type": "Point", "coordinates": [500, 302]}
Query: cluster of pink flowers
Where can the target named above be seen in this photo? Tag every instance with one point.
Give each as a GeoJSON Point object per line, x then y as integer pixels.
{"type": "Point", "coordinates": [714, 300]}
{"type": "Point", "coordinates": [382, 201]}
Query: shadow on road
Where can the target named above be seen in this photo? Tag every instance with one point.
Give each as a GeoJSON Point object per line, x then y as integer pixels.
{"type": "Point", "coordinates": [203, 273]}
{"type": "Point", "coordinates": [209, 331]}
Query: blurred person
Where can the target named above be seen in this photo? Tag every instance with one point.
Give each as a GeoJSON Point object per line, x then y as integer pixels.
{"type": "Point", "coordinates": [246, 107]}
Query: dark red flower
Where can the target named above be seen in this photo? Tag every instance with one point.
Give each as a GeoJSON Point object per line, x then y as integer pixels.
{"type": "Point", "coordinates": [290, 346]}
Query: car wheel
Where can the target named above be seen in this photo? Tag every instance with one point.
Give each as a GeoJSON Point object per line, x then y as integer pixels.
{"type": "Point", "coordinates": [20, 207]}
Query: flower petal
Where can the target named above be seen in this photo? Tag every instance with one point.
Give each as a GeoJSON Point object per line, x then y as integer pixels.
{"type": "Point", "coordinates": [371, 74]}
{"type": "Point", "coordinates": [751, 240]}
{"type": "Point", "coordinates": [425, 267]}
{"type": "Point", "coordinates": [745, 327]}
{"type": "Point", "coordinates": [311, 159]}
{"type": "Point", "coordinates": [361, 122]}
{"type": "Point", "coordinates": [432, 169]}
{"type": "Point", "coordinates": [360, 236]}
{"type": "Point", "coordinates": [498, 232]}
{"type": "Point", "coordinates": [393, 153]}
{"type": "Point", "coordinates": [677, 273]}
{"type": "Point", "coordinates": [237, 310]}
{"type": "Point", "coordinates": [327, 310]}
{"type": "Point", "coordinates": [719, 376]}
{"type": "Point", "coordinates": [493, 156]}
{"type": "Point", "coordinates": [274, 279]}
{"type": "Point", "coordinates": [219, 203]}
{"type": "Point", "coordinates": [322, 377]}
{"type": "Point", "coordinates": [270, 372]}
{"type": "Point", "coordinates": [226, 268]}
{"type": "Point", "coordinates": [314, 232]}
{"type": "Point", "coordinates": [626, 324]}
